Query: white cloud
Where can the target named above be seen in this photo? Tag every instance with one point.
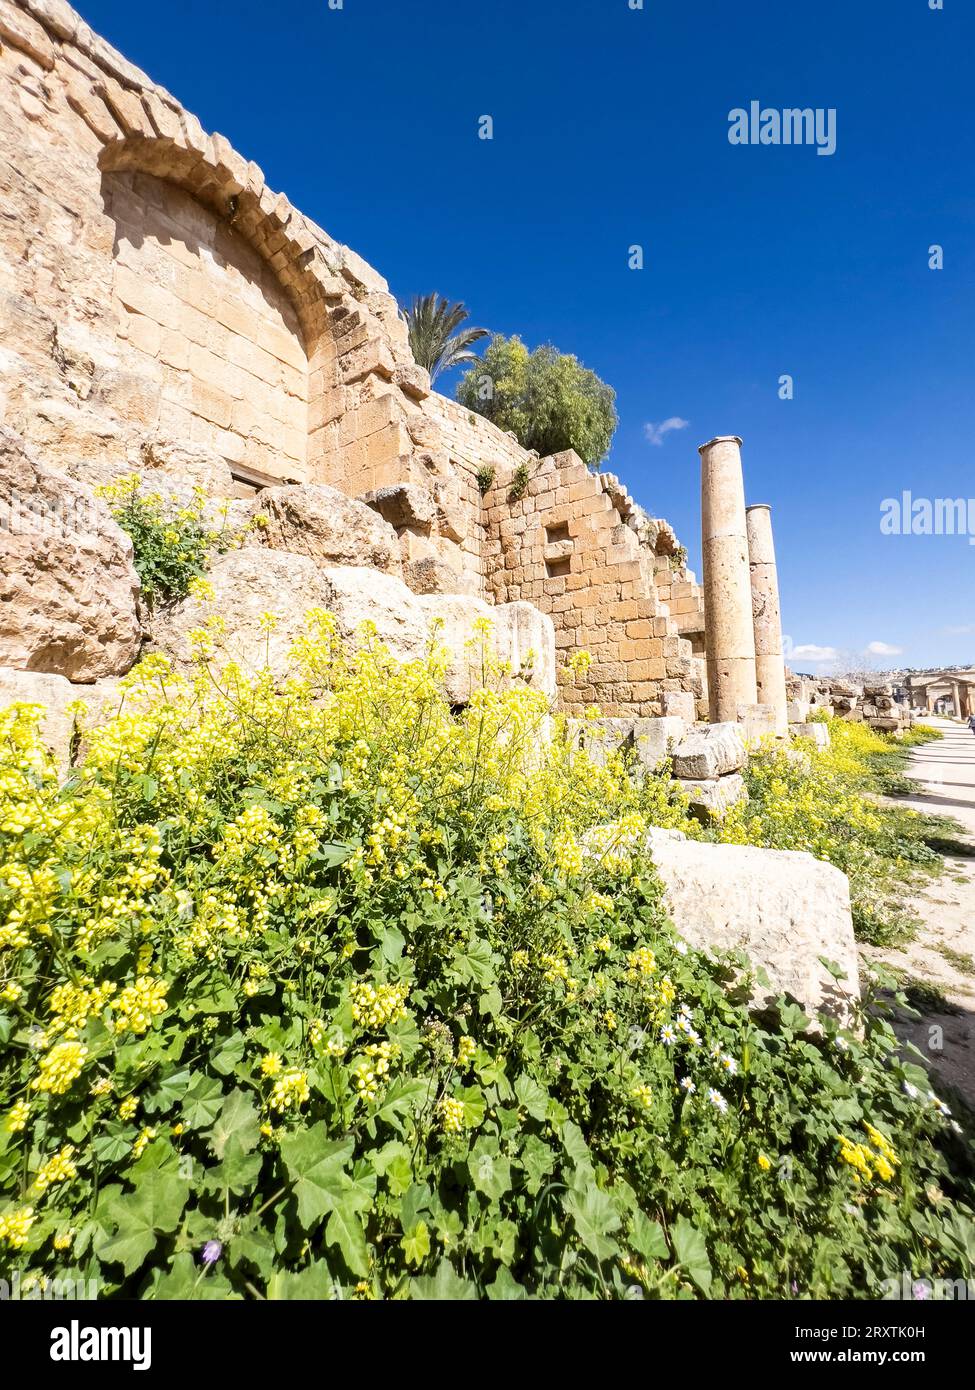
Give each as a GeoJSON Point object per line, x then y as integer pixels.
{"type": "Point", "coordinates": [883, 649]}
{"type": "Point", "coordinates": [655, 433]}
{"type": "Point", "coordinates": [808, 651]}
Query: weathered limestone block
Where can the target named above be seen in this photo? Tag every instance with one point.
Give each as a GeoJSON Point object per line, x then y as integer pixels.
{"type": "Point", "coordinates": [191, 465]}
{"type": "Point", "coordinates": [710, 799]}
{"type": "Point", "coordinates": [68, 589]}
{"type": "Point", "coordinates": [58, 727]}
{"type": "Point", "coordinates": [648, 741]}
{"type": "Point", "coordinates": [757, 721]}
{"type": "Point", "coordinates": [404, 505]}
{"type": "Point", "coordinates": [357, 595]}
{"type": "Point", "coordinates": [319, 521]}
{"type": "Point", "coordinates": [710, 752]}
{"type": "Point", "coordinates": [681, 704]}
{"type": "Point", "coordinates": [521, 637]}
{"type": "Point", "coordinates": [798, 711]}
{"type": "Point", "coordinates": [785, 909]}
{"type": "Point", "coordinates": [428, 574]}
{"type": "Point", "coordinates": [25, 34]}
{"type": "Point", "coordinates": [524, 639]}
{"type": "Point", "coordinates": [818, 733]}
{"type": "Point", "coordinates": [247, 584]}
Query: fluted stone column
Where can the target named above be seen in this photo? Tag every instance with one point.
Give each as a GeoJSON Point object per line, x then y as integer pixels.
{"type": "Point", "coordinates": [766, 614]}
{"type": "Point", "coordinates": [727, 581]}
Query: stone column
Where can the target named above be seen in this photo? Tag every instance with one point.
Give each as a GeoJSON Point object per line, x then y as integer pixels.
{"type": "Point", "coordinates": [727, 581]}
{"type": "Point", "coordinates": [766, 614]}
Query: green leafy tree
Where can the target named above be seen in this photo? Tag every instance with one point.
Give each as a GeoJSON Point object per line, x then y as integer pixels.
{"type": "Point", "coordinates": [547, 398]}
{"type": "Point", "coordinates": [436, 338]}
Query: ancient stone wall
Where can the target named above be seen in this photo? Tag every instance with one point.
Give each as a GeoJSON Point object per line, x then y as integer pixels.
{"type": "Point", "coordinates": [155, 292]}
{"type": "Point", "coordinates": [565, 543]}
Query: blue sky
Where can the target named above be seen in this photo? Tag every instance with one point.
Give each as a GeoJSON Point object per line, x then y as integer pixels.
{"type": "Point", "coordinates": [611, 129]}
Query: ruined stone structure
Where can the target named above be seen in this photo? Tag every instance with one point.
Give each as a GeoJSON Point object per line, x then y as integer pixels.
{"type": "Point", "coordinates": [155, 292]}
{"type": "Point", "coordinates": [870, 702]}
{"type": "Point", "coordinates": [946, 688]}
{"type": "Point", "coordinates": [164, 312]}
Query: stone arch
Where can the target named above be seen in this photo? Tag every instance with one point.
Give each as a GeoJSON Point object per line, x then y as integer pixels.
{"type": "Point", "coordinates": [226, 301]}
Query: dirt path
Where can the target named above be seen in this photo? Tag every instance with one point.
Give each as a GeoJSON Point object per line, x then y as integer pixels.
{"type": "Point", "coordinates": [943, 952]}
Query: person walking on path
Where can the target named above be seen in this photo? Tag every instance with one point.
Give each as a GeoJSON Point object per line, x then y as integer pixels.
{"type": "Point", "coordinates": [971, 722]}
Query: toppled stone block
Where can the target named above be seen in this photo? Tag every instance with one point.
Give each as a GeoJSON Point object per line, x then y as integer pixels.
{"type": "Point", "coordinates": [818, 733]}
{"type": "Point", "coordinates": [319, 521]}
{"type": "Point", "coordinates": [710, 800]}
{"type": "Point", "coordinates": [680, 704]}
{"type": "Point", "coordinates": [521, 637]}
{"type": "Point", "coordinates": [786, 909]}
{"type": "Point", "coordinates": [709, 752]}
{"type": "Point", "coordinates": [58, 727]}
{"type": "Point", "coordinates": [191, 465]}
{"type": "Point", "coordinates": [404, 505]}
{"type": "Point", "coordinates": [757, 722]}
{"type": "Point", "coordinates": [430, 575]}
{"type": "Point", "coordinates": [69, 593]}
{"type": "Point", "coordinates": [647, 741]}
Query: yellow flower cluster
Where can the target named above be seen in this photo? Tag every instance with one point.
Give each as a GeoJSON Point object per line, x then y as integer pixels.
{"type": "Point", "coordinates": [290, 1090]}
{"type": "Point", "coordinates": [373, 1071]}
{"type": "Point", "coordinates": [451, 1114]}
{"type": "Point", "coordinates": [137, 1005]}
{"type": "Point", "coordinates": [867, 1162]}
{"type": "Point", "coordinates": [73, 1004]}
{"type": "Point", "coordinates": [18, 1116]}
{"type": "Point", "coordinates": [377, 1006]}
{"type": "Point", "coordinates": [15, 1226]}
{"type": "Point", "coordinates": [60, 1067]}
{"type": "Point", "coordinates": [60, 1168]}
{"type": "Point", "coordinates": [466, 1049]}
{"type": "Point", "coordinates": [643, 1096]}
{"type": "Point", "coordinates": [642, 964]}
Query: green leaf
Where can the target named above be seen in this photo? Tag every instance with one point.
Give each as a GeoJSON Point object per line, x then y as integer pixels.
{"type": "Point", "coordinates": [647, 1238]}
{"type": "Point", "coordinates": [314, 1283]}
{"type": "Point", "coordinates": [532, 1096]}
{"type": "Point", "coordinates": [154, 1208]}
{"type": "Point", "coordinates": [691, 1251]}
{"type": "Point", "coordinates": [490, 1173]}
{"type": "Point", "coordinates": [595, 1218]}
{"type": "Point", "coordinates": [446, 1285]}
{"type": "Point", "coordinates": [316, 1167]}
{"type": "Point", "coordinates": [239, 1120]}
{"type": "Point", "coordinates": [202, 1102]}
{"type": "Point", "coordinates": [506, 1288]}
{"type": "Point", "coordinates": [344, 1229]}
{"type": "Point", "coordinates": [416, 1245]}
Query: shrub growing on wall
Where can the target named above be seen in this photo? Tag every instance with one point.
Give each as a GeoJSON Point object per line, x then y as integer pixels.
{"type": "Point", "coordinates": [547, 398]}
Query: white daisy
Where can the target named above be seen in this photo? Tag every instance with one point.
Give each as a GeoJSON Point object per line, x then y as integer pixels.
{"type": "Point", "coordinates": [717, 1100]}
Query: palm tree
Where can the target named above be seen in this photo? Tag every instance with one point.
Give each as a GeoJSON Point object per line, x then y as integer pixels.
{"type": "Point", "coordinates": [437, 345]}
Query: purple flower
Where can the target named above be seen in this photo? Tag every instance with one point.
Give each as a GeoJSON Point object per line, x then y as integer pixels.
{"type": "Point", "coordinates": [211, 1252]}
{"type": "Point", "coordinates": [921, 1289]}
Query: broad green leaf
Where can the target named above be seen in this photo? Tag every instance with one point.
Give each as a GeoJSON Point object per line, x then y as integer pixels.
{"type": "Point", "coordinates": [691, 1251]}
{"type": "Point", "coordinates": [445, 1285]}
{"type": "Point", "coordinates": [416, 1245]}
{"type": "Point", "coordinates": [316, 1167]}
{"type": "Point", "coordinates": [532, 1096]}
{"type": "Point", "coordinates": [202, 1102]}
{"type": "Point", "coordinates": [344, 1229]}
{"type": "Point", "coordinates": [238, 1119]}
{"type": "Point", "coordinates": [595, 1219]}
{"type": "Point", "coordinates": [647, 1238]}
{"type": "Point", "coordinates": [490, 1173]}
